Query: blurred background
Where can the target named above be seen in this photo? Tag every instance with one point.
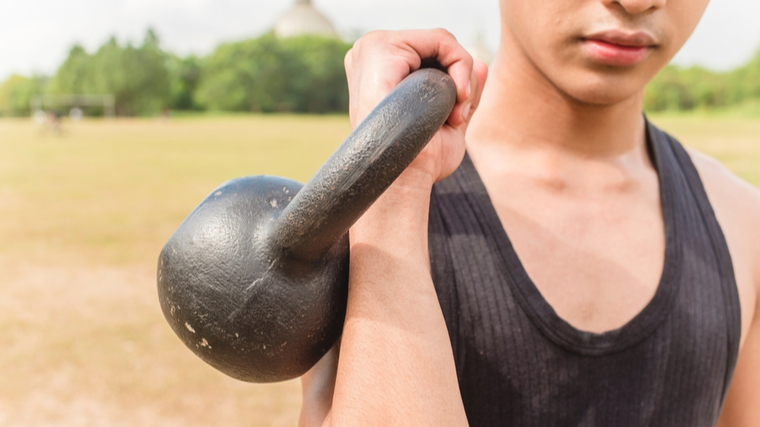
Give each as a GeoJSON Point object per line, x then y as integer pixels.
{"type": "Point", "coordinates": [117, 117]}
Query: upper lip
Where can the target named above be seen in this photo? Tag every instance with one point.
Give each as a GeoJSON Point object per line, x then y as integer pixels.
{"type": "Point", "coordinates": [624, 38]}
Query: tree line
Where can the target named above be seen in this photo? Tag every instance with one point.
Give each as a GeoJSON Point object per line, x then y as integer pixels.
{"type": "Point", "coordinates": [265, 74]}
{"type": "Point", "coordinates": [696, 88]}
{"type": "Point", "coordinates": [302, 74]}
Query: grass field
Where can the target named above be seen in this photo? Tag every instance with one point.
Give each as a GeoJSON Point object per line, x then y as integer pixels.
{"type": "Point", "coordinates": [82, 219]}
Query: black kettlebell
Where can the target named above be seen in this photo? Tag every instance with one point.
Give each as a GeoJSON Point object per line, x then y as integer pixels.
{"type": "Point", "coordinates": [255, 280]}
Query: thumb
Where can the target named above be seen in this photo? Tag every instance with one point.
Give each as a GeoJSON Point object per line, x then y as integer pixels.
{"type": "Point", "coordinates": [463, 113]}
{"type": "Point", "coordinates": [478, 82]}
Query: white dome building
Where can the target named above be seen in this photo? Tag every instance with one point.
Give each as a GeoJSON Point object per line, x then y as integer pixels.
{"type": "Point", "coordinates": [302, 20]}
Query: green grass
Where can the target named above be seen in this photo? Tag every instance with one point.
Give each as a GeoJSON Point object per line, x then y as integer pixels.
{"type": "Point", "coordinates": [83, 217]}
{"type": "Point", "coordinates": [115, 191]}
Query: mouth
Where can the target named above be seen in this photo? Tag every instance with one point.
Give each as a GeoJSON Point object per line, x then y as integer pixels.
{"type": "Point", "coordinates": [619, 48]}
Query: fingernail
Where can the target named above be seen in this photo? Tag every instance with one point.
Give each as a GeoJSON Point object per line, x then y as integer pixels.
{"type": "Point", "coordinates": [473, 83]}
{"type": "Point", "coordinates": [466, 111]}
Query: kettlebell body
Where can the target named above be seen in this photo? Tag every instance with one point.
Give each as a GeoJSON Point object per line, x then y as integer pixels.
{"type": "Point", "coordinates": [255, 280]}
{"type": "Point", "coordinates": [241, 307]}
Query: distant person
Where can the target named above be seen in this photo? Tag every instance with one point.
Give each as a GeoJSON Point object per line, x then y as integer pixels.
{"type": "Point", "coordinates": [53, 122]}
{"type": "Point", "coordinates": [574, 265]}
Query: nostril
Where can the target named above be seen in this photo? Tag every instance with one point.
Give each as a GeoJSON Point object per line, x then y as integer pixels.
{"type": "Point", "coordinates": [637, 7]}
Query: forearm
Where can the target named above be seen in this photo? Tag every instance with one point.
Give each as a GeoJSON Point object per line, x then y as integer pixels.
{"type": "Point", "coordinates": [396, 365]}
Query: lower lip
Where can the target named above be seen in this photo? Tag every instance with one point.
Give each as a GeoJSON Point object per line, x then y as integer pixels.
{"type": "Point", "coordinates": [615, 54]}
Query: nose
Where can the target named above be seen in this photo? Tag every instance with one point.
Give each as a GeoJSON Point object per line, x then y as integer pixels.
{"type": "Point", "coordinates": [635, 7]}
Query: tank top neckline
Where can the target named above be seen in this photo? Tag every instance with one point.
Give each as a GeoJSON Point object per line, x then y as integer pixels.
{"type": "Point", "coordinates": [541, 313]}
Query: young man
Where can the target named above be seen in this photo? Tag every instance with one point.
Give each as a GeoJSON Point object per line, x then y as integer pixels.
{"type": "Point", "coordinates": [574, 265]}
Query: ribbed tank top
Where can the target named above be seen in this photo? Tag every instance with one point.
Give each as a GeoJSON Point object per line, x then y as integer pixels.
{"type": "Point", "coordinates": [520, 364]}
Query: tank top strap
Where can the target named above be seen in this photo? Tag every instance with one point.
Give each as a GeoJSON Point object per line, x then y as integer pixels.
{"type": "Point", "coordinates": [673, 149]}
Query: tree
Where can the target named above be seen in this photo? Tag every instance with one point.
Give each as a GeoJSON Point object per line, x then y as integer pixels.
{"type": "Point", "coordinates": [323, 87]}
{"type": "Point", "coordinates": [667, 91]}
{"type": "Point", "coordinates": [746, 81]}
{"type": "Point", "coordinates": [251, 75]}
{"type": "Point", "coordinates": [303, 74]}
{"type": "Point", "coordinates": [74, 75]}
{"type": "Point", "coordinates": [17, 92]}
{"type": "Point", "coordinates": [184, 74]}
{"type": "Point", "coordinates": [676, 88]}
{"type": "Point", "coordinates": [137, 77]}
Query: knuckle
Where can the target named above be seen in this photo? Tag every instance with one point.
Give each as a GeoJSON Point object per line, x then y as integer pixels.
{"type": "Point", "coordinates": [370, 42]}
{"type": "Point", "coordinates": [468, 58]}
{"type": "Point", "coordinates": [444, 33]}
{"type": "Point", "coordinates": [374, 37]}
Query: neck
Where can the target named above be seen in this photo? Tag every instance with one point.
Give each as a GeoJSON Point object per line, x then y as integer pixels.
{"type": "Point", "coordinates": [522, 108]}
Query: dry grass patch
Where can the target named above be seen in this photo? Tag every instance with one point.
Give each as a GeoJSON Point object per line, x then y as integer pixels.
{"type": "Point", "coordinates": [84, 216]}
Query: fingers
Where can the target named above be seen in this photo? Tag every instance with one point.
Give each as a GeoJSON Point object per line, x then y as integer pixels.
{"type": "Point", "coordinates": [442, 46]}
{"type": "Point", "coordinates": [381, 59]}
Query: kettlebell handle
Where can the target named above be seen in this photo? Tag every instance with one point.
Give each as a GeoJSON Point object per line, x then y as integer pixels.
{"type": "Point", "coordinates": [364, 166]}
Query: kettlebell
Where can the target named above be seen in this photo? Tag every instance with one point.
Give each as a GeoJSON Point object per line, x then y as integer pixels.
{"type": "Point", "coordinates": [255, 280]}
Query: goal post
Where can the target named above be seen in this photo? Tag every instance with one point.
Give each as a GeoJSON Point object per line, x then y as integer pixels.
{"type": "Point", "coordinates": [41, 102]}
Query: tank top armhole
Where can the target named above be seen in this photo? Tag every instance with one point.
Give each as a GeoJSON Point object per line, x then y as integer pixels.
{"type": "Point", "coordinates": [444, 277]}
{"type": "Point", "coordinates": [720, 248]}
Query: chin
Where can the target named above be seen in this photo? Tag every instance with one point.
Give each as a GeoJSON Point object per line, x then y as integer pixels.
{"type": "Point", "coordinates": [601, 89]}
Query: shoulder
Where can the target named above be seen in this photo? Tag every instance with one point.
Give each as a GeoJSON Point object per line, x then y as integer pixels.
{"type": "Point", "coordinates": [737, 207]}
{"type": "Point", "coordinates": [737, 200]}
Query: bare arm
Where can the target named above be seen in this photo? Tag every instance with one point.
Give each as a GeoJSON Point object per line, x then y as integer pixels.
{"type": "Point", "coordinates": [737, 207]}
{"type": "Point", "coordinates": [318, 387]}
{"type": "Point", "coordinates": [742, 408]}
{"type": "Point", "coordinates": [395, 364]}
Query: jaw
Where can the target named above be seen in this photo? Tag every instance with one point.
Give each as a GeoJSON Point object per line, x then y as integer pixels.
{"type": "Point", "coordinates": [562, 78]}
{"type": "Point", "coordinates": [523, 103]}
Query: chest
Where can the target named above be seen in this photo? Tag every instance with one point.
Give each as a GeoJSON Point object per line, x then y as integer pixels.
{"type": "Point", "coordinates": [596, 256]}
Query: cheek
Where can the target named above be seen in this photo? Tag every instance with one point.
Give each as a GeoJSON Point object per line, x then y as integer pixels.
{"type": "Point", "coordinates": [544, 37]}
{"type": "Point", "coordinates": [680, 19]}
{"type": "Point", "coordinates": [539, 26]}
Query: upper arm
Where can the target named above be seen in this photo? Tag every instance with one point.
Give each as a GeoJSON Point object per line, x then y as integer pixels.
{"type": "Point", "coordinates": [318, 386]}
{"type": "Point", "coordinates": [737, 208]}
{"type": "Point", "coordinates": [742, 407]}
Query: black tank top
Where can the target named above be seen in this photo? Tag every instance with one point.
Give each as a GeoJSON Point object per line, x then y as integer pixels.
{"type": "Point", "coordinates": [520, 364]}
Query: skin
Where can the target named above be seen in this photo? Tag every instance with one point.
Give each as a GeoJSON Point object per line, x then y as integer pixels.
{"type": "Point", "coordinates": [558, 139]}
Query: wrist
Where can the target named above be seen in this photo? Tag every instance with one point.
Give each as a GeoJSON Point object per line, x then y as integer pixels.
{"type": "Point", "coordinates": [415, 182]}
{"type": "Point", "coordinates": [398, 220]}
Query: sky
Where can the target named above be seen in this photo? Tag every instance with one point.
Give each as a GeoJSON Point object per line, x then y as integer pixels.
{"type": "Point", "coordinates": [36, 35]}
